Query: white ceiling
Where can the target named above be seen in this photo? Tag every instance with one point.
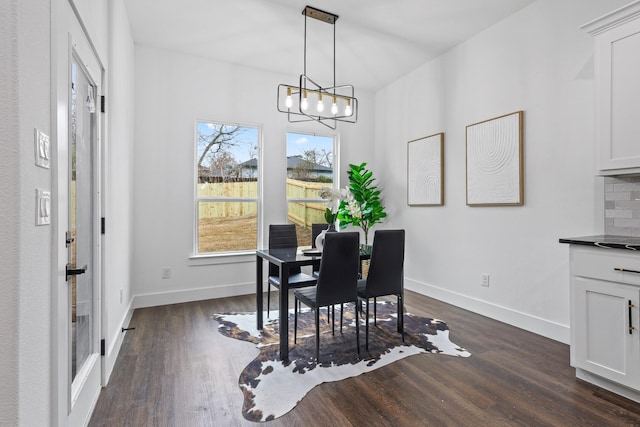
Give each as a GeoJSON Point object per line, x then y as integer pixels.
{"type": "Point", "coordinates": [377, 41]}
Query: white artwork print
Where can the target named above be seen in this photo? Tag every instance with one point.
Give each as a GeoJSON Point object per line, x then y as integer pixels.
{"type": "Point", "coordinates": [424, 186]}
{"type": "Point", "coordinates": [494, 161]}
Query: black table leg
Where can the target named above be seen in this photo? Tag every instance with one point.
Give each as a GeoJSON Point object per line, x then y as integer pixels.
{"type": "Point", "coordinates": [259, 291]}
{"type": "Point", "coordinates": [284, 312]}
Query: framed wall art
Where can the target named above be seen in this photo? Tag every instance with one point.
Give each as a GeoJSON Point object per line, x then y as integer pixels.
{"type": "Point", "coordinates": [495, 161]}
{"type": "Point", "coordinates": [425, 171]}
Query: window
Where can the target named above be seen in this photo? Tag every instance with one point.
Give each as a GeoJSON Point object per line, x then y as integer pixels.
{"type": "Point", "coordinates": [226, 187]}
{"type": "Point", "coordinates": [310, 166]}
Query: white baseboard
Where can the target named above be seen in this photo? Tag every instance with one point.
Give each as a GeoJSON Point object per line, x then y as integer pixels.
{"type": "Point", "coordinates": [114, 345]}
{"type": "Point", "coordinates": [188, 295]}
{"type": "Point", "coordinates": [537, 325]}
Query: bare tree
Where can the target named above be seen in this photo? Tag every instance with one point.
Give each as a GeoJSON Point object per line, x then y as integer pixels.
{"type": "Point", "coordinates": [326, 158]}
{"type": "Point", "coordinates": [303, 170]}
{"type": "Point", "coordinates": [224, 165]}
{"type": "Point", "coordinates": [221, 138]}
{"type": "Point", "coordinates": [319, 156]}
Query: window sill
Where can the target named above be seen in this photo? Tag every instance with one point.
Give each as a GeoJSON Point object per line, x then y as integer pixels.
{"type": "Point", "coordinates": [226, 258]}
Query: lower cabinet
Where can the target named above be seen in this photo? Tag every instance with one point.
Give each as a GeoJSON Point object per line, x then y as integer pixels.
{"type": "Point", "coordinates": [605, 317]}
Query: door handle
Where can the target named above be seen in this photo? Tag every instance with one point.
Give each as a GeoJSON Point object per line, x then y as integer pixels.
{"type": "Point", "coordinates": [72, 271]}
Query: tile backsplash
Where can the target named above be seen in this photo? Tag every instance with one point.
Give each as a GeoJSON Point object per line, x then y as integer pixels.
{"type": "Point", "coordinates": [622, 205]}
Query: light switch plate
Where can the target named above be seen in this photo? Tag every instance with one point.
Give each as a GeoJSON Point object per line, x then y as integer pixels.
{"type": "Point", "coordinates": [42, 149]}
{"type": "Point", "coordinates": [43, 207]}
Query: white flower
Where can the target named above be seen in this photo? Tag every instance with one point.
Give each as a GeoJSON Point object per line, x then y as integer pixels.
{"type": "Point", "coordinates": [333, 197]}
{"type": "Point", "coordinates": [353, 208]}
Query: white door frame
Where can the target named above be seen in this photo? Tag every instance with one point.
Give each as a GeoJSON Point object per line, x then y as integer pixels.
{"type": "Point", "coordinates": [73, 406]}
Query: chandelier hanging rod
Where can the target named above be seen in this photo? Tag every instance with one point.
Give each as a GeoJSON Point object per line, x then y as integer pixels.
{"type": "Point", "coordinates": [323, 16]}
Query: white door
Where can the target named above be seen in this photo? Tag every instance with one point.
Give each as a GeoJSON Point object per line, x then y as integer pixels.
{"type": "Point", "coordinates": [82, 234]}
{"type": "Point", "coordinates": [79, 76]}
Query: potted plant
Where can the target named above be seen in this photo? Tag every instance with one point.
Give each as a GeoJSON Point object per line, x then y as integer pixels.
{"type": "Point", "coordinates": [362, 206]}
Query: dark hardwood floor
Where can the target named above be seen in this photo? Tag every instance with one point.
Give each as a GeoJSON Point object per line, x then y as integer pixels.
{"type": "Point", "coordinates": [175, 369]}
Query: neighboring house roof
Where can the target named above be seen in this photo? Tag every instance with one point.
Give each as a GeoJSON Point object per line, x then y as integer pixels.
{"type": "Point", "coordinates": [292, 162]}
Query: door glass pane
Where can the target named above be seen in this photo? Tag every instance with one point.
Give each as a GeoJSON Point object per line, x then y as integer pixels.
{"type": "Point", "coordinates": [82, 140]}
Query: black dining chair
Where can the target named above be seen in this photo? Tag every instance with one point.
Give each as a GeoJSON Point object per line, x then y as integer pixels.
{"type": "Point", "coordinates": [385, 275]}
{"type": "Point", "coordinates": [337, 281]}
{"type": "Point", "coordinates": [283, 236]}
{"type": "Point", "coordinates": [316, 228]}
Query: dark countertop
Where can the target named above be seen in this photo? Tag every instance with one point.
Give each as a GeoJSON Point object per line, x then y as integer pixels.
{"type": "Point", "coordinates": [606, 241]}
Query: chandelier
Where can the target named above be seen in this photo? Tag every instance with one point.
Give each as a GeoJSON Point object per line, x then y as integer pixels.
{"type": "Point", "coordinates": [308, 100]}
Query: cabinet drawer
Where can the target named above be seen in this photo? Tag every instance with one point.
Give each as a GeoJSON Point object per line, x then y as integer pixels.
{"type": "Point", "coordinates": [606, 264]}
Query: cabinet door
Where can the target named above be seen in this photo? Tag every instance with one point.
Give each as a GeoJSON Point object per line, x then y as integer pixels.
{"type": "Point", "coordinates": [618, 97]}
{"type": "Point", "coordinates": [605, 334]}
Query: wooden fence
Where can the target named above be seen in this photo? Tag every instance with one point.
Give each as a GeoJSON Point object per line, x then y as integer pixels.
{"type": "Point", "coordinates": [300, 213]}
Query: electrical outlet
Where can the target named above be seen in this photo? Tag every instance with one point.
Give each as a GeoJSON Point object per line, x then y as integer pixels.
{"type": "Point", "coordinates": [121, 295]}
{"type": "Point", "coordinates": [484, 279]}
{"type": "Point", "coordinates": [166, 272]}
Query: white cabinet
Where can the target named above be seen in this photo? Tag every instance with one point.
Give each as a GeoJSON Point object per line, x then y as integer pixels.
{"type": "Point", "coordinates": [617, 85]}
{"type": "Point", "coordinates": [605, 318]}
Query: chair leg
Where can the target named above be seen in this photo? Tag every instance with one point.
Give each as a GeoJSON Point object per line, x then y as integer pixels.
{"type": "Point", "coordinates": [295, 321]}
{"type": "Point", "coordinates": [268, 297]}
{"type": "Point", "coordinates": [375, 315]}
{"type": "Point", "coordinates": [366, 322]}
{"type": "Point", "coordinates": [333, 320]}
{"type": "Point", "coordinates": [357, 327]}
{"type": "Point", "coordinates": [341, 308]}
{"type": "Point", "coordinates": [317, 334]}
{"type": "Point", "coordinates": [401, 315]}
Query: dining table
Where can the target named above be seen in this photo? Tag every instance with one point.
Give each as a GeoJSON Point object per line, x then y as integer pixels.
{"type": "Point", "coordinates": [285, 259]}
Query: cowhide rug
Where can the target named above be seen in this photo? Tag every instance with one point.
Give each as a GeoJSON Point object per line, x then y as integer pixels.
{"type": "Point", "coordinates": [265, 379]}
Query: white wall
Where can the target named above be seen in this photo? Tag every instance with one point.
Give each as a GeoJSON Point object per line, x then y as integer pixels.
{"type": "Point", "coordinates": [172, 90]}
{"type": "Point", "coordinates": [537, 61]}
{"type": "Point", "coordinates": [25, 255]}
{"type": "Point", "coordinates": [35, 241]}
{"type": "Point", "coordinates": [118, 245]}
{"type": "Point", "coordinates": [9, 214]}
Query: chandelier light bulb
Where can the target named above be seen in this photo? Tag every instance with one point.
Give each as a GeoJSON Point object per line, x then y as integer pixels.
{"type": "Point", "coordinates": [334, 107]}
{"type": "Point", "coordinates": [320, 106]}
{"type": "Point", "coordinates": [289, 102]}
{"type": "Point", "coordinates": [347, 109]}
{"type": "Point", "coordinates": [304, 104]}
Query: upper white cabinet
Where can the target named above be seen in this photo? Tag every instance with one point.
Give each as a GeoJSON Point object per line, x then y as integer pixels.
{"type": "Point", "coordinates": [617, 83]}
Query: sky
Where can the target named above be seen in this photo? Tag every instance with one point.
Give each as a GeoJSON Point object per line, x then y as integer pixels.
{"type": "Point", "coordinates": [297, 143]}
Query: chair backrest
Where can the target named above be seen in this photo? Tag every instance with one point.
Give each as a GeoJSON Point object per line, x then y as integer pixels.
{"type": "Point", "coordinates": [282, 236]}
{"type": "Point", "coordinates": [316, 229]}
{"type": "Point", "coordinates": [338, 276]}
{"type": "Point", "coordinates": [385, 275]}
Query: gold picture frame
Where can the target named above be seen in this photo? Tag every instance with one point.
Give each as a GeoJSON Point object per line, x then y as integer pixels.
{"type": "Point", "coordinates": [495, 161]}
{"type": "Point", "coordinates": [425, 171]}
